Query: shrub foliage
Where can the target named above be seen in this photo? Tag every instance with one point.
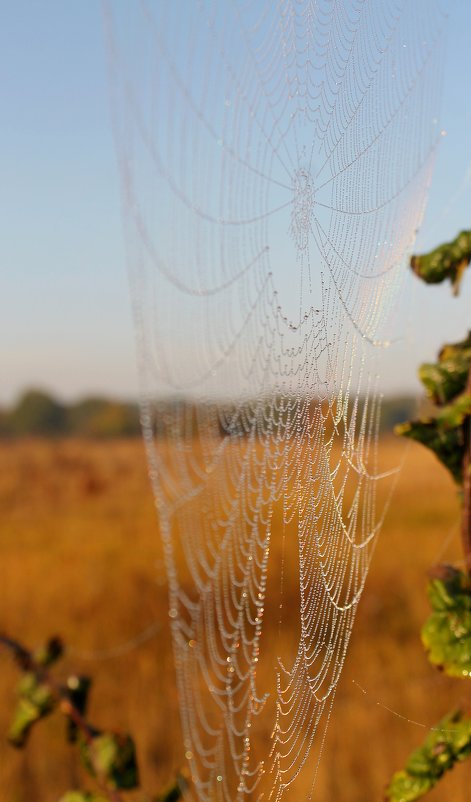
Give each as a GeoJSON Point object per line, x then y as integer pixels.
{"type": "Point", "coordinates": [446, 635]}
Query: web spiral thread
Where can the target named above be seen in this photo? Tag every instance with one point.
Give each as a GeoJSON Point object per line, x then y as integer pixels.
{"type": "Point", "coordinates": [275, 159]}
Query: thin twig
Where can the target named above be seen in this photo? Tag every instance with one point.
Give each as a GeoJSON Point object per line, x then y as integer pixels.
{"type": "Point", "coordinates": [26, 661]}
{"type": "Point", "coordinates": [466, 512]}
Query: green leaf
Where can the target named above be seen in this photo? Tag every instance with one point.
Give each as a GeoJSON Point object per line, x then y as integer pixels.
{"type": "Point", "coordinates": [112, 756]}
{"type": "Point", "coordinates": [36, 701]}
{"type": "Point", "coordinates": [444, 434]}
{"type": "Point", "coordinates": [449, 261]}
{"type": "Point", "coordinates": [448, 378]}
{"type": "Point", "coordinates": [454, 414]}
{"type": "Point", "coordinates": [447, 744]}
{"type": "Point", "coordinates": [407, 787]}
{"type": "Point", "coordinates": [447, 445]}
{"type": "Point", "coordinates": [25, 715]}
{"type": "Point", "coordinates": [50, 653]}
{"type": "Point", "coordinates": [446, 635]}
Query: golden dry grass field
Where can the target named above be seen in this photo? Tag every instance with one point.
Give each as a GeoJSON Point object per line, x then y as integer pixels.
{"type": "Point", "coordinates": [81, 557]}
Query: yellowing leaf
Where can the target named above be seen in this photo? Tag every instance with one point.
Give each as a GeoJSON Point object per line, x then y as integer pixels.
{"type": "Point", "coordinates": [446, 635]}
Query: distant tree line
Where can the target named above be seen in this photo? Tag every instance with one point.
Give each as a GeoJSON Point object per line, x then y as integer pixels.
{"type": "Point", "coordinates": [38, 414]}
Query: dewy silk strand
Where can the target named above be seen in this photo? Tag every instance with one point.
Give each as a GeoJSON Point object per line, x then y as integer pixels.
{"type": "Point", "coordinates": [275, 159]}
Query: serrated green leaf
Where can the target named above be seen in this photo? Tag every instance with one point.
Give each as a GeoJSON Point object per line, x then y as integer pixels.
{"type": "Point", "coordinates": [444, 587]}
{"type": "Point", "coordinates": [444, 434]}
{"type": "Point", "coordinates": [447, 262]}
{"type": "Point", "coordinates": [112, 756]}
{"type": "Point", "coordinates": [447, 744]}
{"type": "Point", "coordinates": [448, 377]}
{"type": "Point", "coordinates": [454, 414]}
{"type": "Point", "coordinates": [446, 444]}
{"type": "Point", "coordinates": [407, 787]}
{"type": "Point", "coordinates": [26, 714]}
{"type": "Point", "coordinates": [446, 634]}
{"type": "Point", "coordinates": [35, 702]}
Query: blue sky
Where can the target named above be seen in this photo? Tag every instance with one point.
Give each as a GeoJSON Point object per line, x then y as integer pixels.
{"type": "Point", "coordinates": [65, 310]}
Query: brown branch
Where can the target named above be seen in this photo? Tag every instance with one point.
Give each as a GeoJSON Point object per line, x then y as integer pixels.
{"type": "Point", "coordinates": [466, 512]}
{"type": "Point", "coordinates": [22, 656]}
{"type": "Point", "coordinates": [26, 661]}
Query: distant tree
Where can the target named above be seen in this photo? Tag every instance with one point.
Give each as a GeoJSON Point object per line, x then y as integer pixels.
{"type": "Point", "coordinates": [36, 413]}
{"type": "Point", "coordinates": [98, 417]}
{"type": "Point", "coordinates": [5, 423]}
{"type": "Point", "coordinates": [81, 412]}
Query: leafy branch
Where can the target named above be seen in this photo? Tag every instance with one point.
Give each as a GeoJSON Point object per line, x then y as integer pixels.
{"type": "Point", "coordinates": [446, 635]}
{"type": "Point", "coordinates": [447, 262]}
{"type": "Point", "coordinates": [109, 757]}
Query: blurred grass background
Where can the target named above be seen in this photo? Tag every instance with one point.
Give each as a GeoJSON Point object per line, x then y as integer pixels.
{"type": "Point", "coordinates": [81, 557]}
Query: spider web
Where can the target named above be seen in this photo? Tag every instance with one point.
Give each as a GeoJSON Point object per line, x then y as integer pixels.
{"type": "Point", "coordinates": [275, 159]}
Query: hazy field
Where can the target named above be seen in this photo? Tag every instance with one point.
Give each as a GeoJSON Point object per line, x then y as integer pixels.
{"type": "Point", "coordinates": [81, 557]}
